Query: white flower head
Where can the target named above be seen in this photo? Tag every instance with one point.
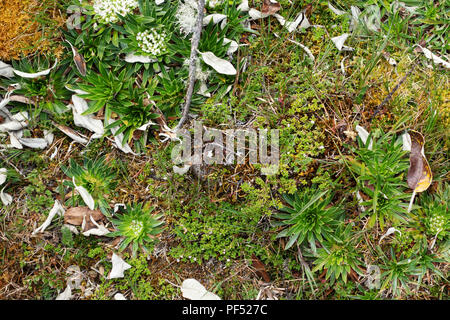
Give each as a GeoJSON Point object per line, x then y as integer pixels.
{"type": "Point", "coordinates": [107, 10]}
{"type": "Point", "coordinates": [186, 15]}
{"type": "Point", "coordinates": [152, 42]}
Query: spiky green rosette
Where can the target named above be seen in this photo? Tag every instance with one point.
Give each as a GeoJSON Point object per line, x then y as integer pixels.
{"type": "Point", "coordinates": [138, 227]}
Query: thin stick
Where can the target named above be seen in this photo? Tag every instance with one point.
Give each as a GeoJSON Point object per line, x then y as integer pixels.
{"type": "Point", "coordinates": [192, 63]}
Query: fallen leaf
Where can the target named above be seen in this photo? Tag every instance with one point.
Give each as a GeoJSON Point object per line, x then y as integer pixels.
{"type": "Point", "coordinates": [220, 65]}
{"type": "Point", "coordinates": [5, 197]}
{"type": "Point", "coordinates": [389, 232]}
{"type": "Point", "coordinates": [364, 135]}
{"type": "Point", "coordinates": [3, 175]}
{"type": "Point", "coordinates": [419, 175]}
{"type": "Point", "coordinates": [260, 269]}
{"type": "Point", "coordinates": [270, 7]}
{"type": "Point", "coordinates": [78, 59]}
{"type": "Point", "coordinates": [194, 290]}
{"type": "Point", "coordinates": [71, 133]}
{"type": "Point", "coordinates": [79, 106]}
{"type": "Point", "coordinates": [132, 58]}
{"type": "Point", "coordinates": [335, 11]}
{"type": "Point", "coordinates": [85, 195]}
{"type": "Point", "coordinates": [35, 143]}
{"type": "Point", "coordinates": [75, 215]}
{"type": "Point", "coordinates": [34, 75]}
{"type": "Point", "coordinates": [65, 295]}
{"type": "Point", "coordinates": [56, 209]}
{"type": "Point", "coordinates": [119, 266]}
{"type": "Point", "coordinates": [436, 59]}
{"type": "Point", "coordinates": [6, 70]}
{"type": "Point", "coordinates": [339, 42]}
{"type": "Point", "coordinates": [119, 296]}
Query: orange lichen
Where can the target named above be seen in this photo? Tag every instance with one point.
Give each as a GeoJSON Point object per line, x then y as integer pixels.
{"type": "Point", "coordinates": [20, 31]}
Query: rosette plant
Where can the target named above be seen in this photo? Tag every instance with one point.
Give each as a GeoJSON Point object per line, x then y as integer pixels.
{"type": "Point", "coordinates": [309, 217]}
{"type": "Point", "coordinates": [138, 227]}
{"type": "Point", "coordinates": [95, 176]}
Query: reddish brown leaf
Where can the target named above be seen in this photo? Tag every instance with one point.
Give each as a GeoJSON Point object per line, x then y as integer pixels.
{"type": "Point", "coordinates": [270, 7]}
{"type": "Point", "coordinates": [75, 215]}
{"type": "Point", "coordinates": [260, 269]}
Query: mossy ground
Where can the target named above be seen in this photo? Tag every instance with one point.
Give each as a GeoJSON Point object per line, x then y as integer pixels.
{"type": "Point", "coordinates": [219, 227]}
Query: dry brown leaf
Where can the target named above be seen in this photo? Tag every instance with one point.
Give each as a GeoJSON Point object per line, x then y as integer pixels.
{"type": "Point", "coordinates": [419, 174]}
{"type": "Point", "coordinates": [75, 215]}
{"type": "Point", "coordinates": [270, 7]}
{"type": "Point", "coordinates": [260, 269]}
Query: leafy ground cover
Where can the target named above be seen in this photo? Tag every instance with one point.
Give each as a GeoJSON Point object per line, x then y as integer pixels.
{"type": "Point", "coordinates": [357, 210]}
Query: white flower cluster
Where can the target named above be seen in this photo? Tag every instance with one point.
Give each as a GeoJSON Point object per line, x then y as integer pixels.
{"type": "Point", "coordinates": [436, 223]}
{"type": "Point", "coordinates": [107, 10]}
{"type": "Point", "coordinates": [186, 15]}
{"type": "Point", "coordinates": [136, 227]}
{"type": "Point", "coordinates": [152, 42]}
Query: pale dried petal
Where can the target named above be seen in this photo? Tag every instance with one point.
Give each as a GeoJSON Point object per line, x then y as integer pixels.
{"type": "Point", "coordinates": [194, 290]}
{"type": "Point", "coordinates": [57, 209]}
{"type": "Point", "coordinates": [35, 75]}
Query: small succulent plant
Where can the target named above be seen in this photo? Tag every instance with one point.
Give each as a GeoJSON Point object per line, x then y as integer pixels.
{"type": "Point", "coordinates": [138, 227]}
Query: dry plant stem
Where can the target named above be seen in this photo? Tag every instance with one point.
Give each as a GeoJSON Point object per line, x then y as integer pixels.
{"type": "Point", "coordinates": [192, 63]}
{"type": "Point", "coordinates": [390, 94]}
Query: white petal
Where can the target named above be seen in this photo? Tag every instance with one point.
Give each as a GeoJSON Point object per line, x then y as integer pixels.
{"type": "Point", "coordinates": [158, 2]}
{"type": "Point", "coordinates": [194, 290]}
{"type": "Point", "coordinates": [293, 25]}
{"type": "Point", "coordinates": [34, 75]}
{"type": "Point", "coordinates": [118, 267]}
{"type": "Point", "coordinates": [85, 195]}
{"type": "Point", "coordinates": [6, 70]}
{"type": "Point", "coordinates": [57, 209]}
{"type": "Point", "coordinates": [65, 295]}
{"type": "Point", "coordinates": [204, 90]}
{"type": "Point", "coordinates": [220, 65]}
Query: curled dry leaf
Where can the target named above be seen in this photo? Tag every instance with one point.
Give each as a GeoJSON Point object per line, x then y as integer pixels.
{"type": "Point", "coordinates": [260, 269]}
{"type": "Point", "coordinates": [389, 232]}
{"type": "Point", "coordinates": [99, 230]}
{"type": "Point", "coordinates": [436, 59]}
{"type": "Point", "coordinates": [364, 135]}
{"type": "Point", "coordinates": [79, 106]}
{"type": "Point", "coordinates": [194, 290]}
{"type": "Point", "coordinates": [119, 296]}
{"type": "Point", "coordinates": [75, 215]}
{"type": "Point", "coordinates": [270, 7]}
{"type": "Point", "coordinates": [78, 59]}
{"type": "Point", "coordinates": [419, 176]}
{"type": "Point", "coordinates": [35, 143]}
{"type": "Point", "coordinates": [339, 42]}
{"type": "Point", "coordinates": [220, 65]}
{"type": "Point", "coordinates": [85, 195]}
{"type": "Point", "coordinates": [71, 133]}
{"type": "Point", "coordinates": [3, 175]}
{"type": "Point", "coordinates": [35, 75]}
{"type": "Point", "coordinates": [57, 209]}
{"type": "Point", "coordinates": [335, 11]}
{"type": "Point", "coordinates": [5, 197]}
{"type": "Point", "coordinates": [6, 70]}
{"type": "Point", "coordinates": [65, 295]}
{"type": "Point", "coordinates": [132, 58]}
{"type": "Point", "coordinates": [118, 267]}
